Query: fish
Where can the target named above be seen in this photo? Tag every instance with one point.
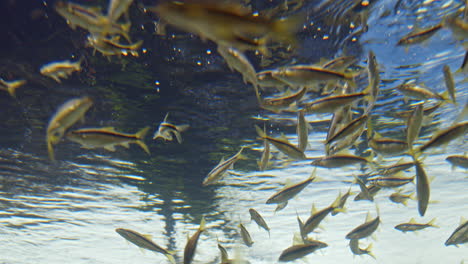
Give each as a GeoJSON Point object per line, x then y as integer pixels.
{"type": "Point", "coordinates": [413, 125]}
{"type": "Point", "coordinates": [388, 146]}
{"type": "Point", "coordinates": [289, 192]}
{"type": "Point", "coordinates": [274, 104]}
{"type": "Point", "coordinates": [91, 19]}
{"type": "Point", "coordinates": [254, 215]}
{"type": "Point", "coordinates": [348, 129]}
{"type": "Point", "coordinates": [340, 202]}
{"type": "Point", "coordinates": [459, 235]}
{"type": "Point", "coordinates": [11, 86]}
{"type": "Point", "coordinates": [60, 69]}
{"type": "Point", "coordinates": [339, 160]}
{"type": "Point", "coordinates": [395, 168]}
{"type": "Point", "coordinates": [309, 76]}
{"type": "Point", "coordinates": [298, 251]}
{"type": "Point", "coordinates": [237, 61]}
{"type": "Point", "coordinates": [107, 138]}
{"type": "Point", "coordinates": [398, 197]}
{"type": "Point", "coordinates": [426, 111]}
{"type": "Point", "coordinates": [191, 246]}
{"type": "Point", "coordinates": [317, 217]}
{"type": "Point", "coordinates": [302, 131]}
{"type": "Point", "coordinates": [422, 188]}
{"type": "Point", "coordinates": [340, 63]}
{"type": "Point", "coordinates": [281, 206]}
{"type": "Point", "coordinates": [112, 46]}
{"type": "Point", "coordinates": [283, 145]}
{"type": "Point", "coordinates": [65, 116]}
{"type": "Point", "coordinates": [264, 160]}
{"type": "Point", "coordinates": [224, 254]}
{"type": "Point", "coordinates": [445, 136]}
{"type": "Point", "coordinates": [228, 24]}
{"type": "Point", "coordinates": [419, 35]}
{"type": "Point", "coordinates": [373, 75]}
{"type": "Point", "coordinates": [356, 250]}
{"type": "Point", "coordinates": [413, 226]}
{"type": "Point", "coordinates": [245, 236]}
{"type": "Point", "coordinates": [449, 83]}
{"type": "Point", "coordinates": [390, 181]}
{"type": "Point", "coordinates": [368, 193]}
{"type": "Point", "coordinates": [419, 92]}
{"type": "Point", "coordinates": [220, 170]}
{"type": "Point", "coordinates": [458, 160]}
{"type": "Point", "coordinates": [167, 130]}
{"type": "Point", "coordinates": [331, 104]}
{"type": "Point", "coordinates": [143, 241]}
{"type": "Point", "coordinates": [265, 79]}
{"type": "Point", "coordinates": [364, 230]}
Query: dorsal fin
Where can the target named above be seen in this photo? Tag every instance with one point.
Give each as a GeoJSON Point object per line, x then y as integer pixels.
{"type": "Point", "coordinates": [368, 217]}
{"type": "Point", "coordinates": [412, 221]}
{"type": "Point", "coordinates": [149, 237]}
{"type": "Point", "coordinates": [314, 209]}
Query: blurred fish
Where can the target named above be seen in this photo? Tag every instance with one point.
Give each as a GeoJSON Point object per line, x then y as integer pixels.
{"type": "Point", "coordinates": [445, 136]}
{"type": "Point", "coordinates": [117, 8]}
{"type": "Point", "coordinates": [458, 161]}
{"type": "Point", "coordinates": [348, 129]}
{"type": "Point", "coordinates": [224, 254]}
{"type": "Point", "coordinates": [245, 236]}
{"type": "Point", "coordinates": [460, 235]}
{"type": "Point", "coordinates": [191, 246]}
{"type": "Point", "coordinates": [331, 104]}
{"type": "Point", "coordinates": [413, 226]}
{"type": "Point", "coordinates": [413, 125]}
{"type": "Point", "coordinates": [339, 160]}
{"type": "Point", "coordinates": [280, 103]}
{"type": "Point", "coordinates": [167, 130]}
{"type": "Point", "coordinates": [254, 215]}
{"type": "Point", "coordinates": [422, 187]}
{"type": "Point", "coordinates": [299, 251]}
{"type": "Point", "coordinates": [289, 192]}
{"type": "Point", "coordinates": [365, 229]}
{"type": "Point", "coordinates": [65, 116]}
{"type": "Point", "coordinates": [356, 250]}
{"type": "Point", "coordinates": [264, 160]}
{"type": "Point", "coordinates": [393, 169]}
{"type": "Point", "coordinates": [449, 83]}
{"type": "Point", "coordinates": [220, 170]}
{"type": "Point", "coordinates": [419, 35]}
{"type": "Point", "coordinates": [228, 24]}
{"type": "Point", "coordinates": [283, 145]}
{"type": "Point", "coordinates": [60, 69]}
{"type": "Point", "coordinates": [339, 63]}
{"type": "Point", "coordinates": [111, 46]}
{"type": "Point", "coordinates": [390, 182]}
{"type": "Point", "coordinates": [388, 146]}
{"type": "Point", "coordinates": [281, 206]}
{"type": "Point", "coordinates": [340, 202]}
{"type": "Point", "coordinates": [107, 138]}
{"type": "Point", "coordinates": [398, 197]}
{"type": "Point", "coordinates": [368, 193]}
{"type": "Point", "coordinates": [265, 79]}
{"type": "Point", "coordinates": [302, 131]}
{"type": "Point", "coordinates": [426, 111]}
{"type": "Point", "coordinates": [419, 92]}
{"type": "Point", "coordinates": [11, 86]}
{"type": "Point", "coordinates": [145, 242]}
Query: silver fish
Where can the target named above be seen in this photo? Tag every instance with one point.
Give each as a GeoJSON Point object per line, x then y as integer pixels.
{"type": "Point", "coordinates": [254, 215]}
{"type": "Point", "coordinates": [220, 170]}
{"type": "Point", "coordinates": [191, 246]}
{"type": "Point", "coordinates": [167, 130]}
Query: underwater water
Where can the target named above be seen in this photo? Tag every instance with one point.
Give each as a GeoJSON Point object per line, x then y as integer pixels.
{"type": "Point", "coordinates": [67, 211]}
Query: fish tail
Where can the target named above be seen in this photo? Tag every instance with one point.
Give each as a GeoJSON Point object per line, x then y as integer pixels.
{"type": "Point", "coordinates": [140, 135]}
{"type": "Point", "coordinates": [431, 223]}
{"type": "Point", "coordinates": [260, 132]}
{"type": "Point", "coordinates": [170, 258]}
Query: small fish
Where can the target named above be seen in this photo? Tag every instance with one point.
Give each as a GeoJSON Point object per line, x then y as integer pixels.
{"type": "Point", "coordinates": [299, 251]}
{"type": "Point", "coordinates": [347, 130]}
{"type": "Point", "coordinates": [191, 246]}
{"type": "Point", "coordinates": [356, 250]}
{"type": "Point", "coordinates": [398, 197]}
{"type": "Point", "coordinates": [11, 86]}
{"type": "Point", "coordinates": [65, 116]}
{"type": "Point", "coordinates": [145, 242]}
{"type": "Point", "coordinates": [283, 145]}
{"type": "Point", "coordinates": [265, 79]}
{"type": "Point", "coordinates": [413, 125]}
{"type": "Point", "coordinates": [390, 182]}
{"type": "Point", "coordinates": [388, 146]}
{"type": "Point", "coordinates": [289, 192]}
{"type": "Point", "coordinates": [339, 160]}
{"type": "Point", "coordinates": [413, 226]}
{"type": "Point", "coordinates": [364, 230]}
{"type": "Point", "coordinates": [264, 160]}
{"type": "Point", "coordinates": [393, 169]}
{"type": "Point", "coordinates": [460, 235]}
{"type": "Point", "coordinates": [224, 254]}
{"type": "Point", "coordinates": [419, 35]}
{"type": "Point", "coordinates": [317, 217]}
{"type": "Point", "coordinates": [309, 76]}
{"type": "Point", "coordinates": [458, 160]}
{"type": "Point", "coordinates": [245, 236]}
{"type": "Point", "coordinates": [422, 188]}
{"type": "Point", "coordinates": [340, 63]}
{"type": "Point", "coordinates": [445, 136]}
{"type": "Point", "coordinates": [449, 83]}
{"type": "Point", "coordinates": [254, 215]}
{"type": "Point", "coordinates": [60, 69]}
{"type": "Point", "coordinates": [237, 61]}
{"type": "Point", "coordinates": [426, 111]}
{"type": "Point", "coordinates": [284, 101]}
{"type": "Point", "coordinates": [167, 130]}
{"type": "Point", "coordinates": [340, 202]}
{"type": "Point", "coordinates": [374, 75]}
{"type": "Point", "coordinates": [112, 46]}
{"type": "Point", "coordinates": [220, 170]}
{"type": "Point", "coordinates": [331, 104]}
{"type": "Point", "coordinates": [228, 24]}
{"type": "Point", "coordinates": [302, 131]}
{"type": "Point", "coordinates": [368, 193]}
{"type": "Point", "coordinates": [413, 90]}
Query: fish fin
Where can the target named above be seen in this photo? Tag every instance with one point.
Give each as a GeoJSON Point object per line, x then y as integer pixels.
{"type": "Point", "coordinates": [314, 209]}
{"type": "Point", "coordinates": [260, 132]}
{"type": "Point", "coordinates": [182, 128]}
{"type": "Point", "coordinates": [165, 117]}
{"type": "Point", "coordinates": [432, 223]}
{"type": "Point", "coordinates": [143, 146]}
{"type": "Point", "coordinates": [368, 217]}
{"type": "Point", "coordinates": [178, 137]}
{"type": "Point", "coordinates": [125, 144]}
{"type": "Point", "coordinates": [170, 258]}
{"type": "Point", "coordinates": [202, 226]}
{"type": "Point", "coordinates": [142, 133]}
{"type": "Point", "coordinates": [412, 220]}
{"type": "Point", "coordinates": [109, 147]}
